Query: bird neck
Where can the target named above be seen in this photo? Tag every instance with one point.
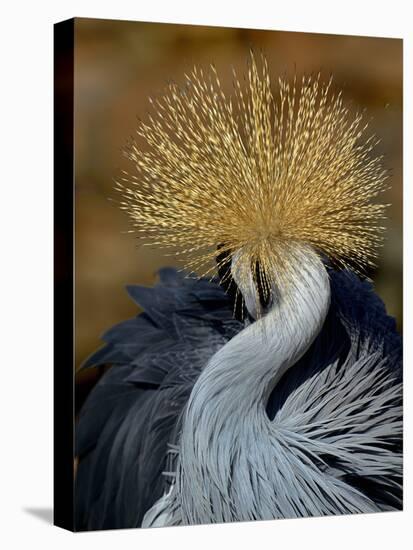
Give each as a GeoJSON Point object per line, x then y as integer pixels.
{"type": "Point", "coordinates": [245, 370]}
{"type": "Point", "coordinates": [226, 409]}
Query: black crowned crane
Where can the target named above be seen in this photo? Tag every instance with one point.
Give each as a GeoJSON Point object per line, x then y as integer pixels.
{"type": "Point", "coordinates": [274, 389]}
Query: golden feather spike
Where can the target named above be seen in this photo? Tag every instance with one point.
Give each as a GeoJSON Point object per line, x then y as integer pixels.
{"type": "Point", "coordinates": [256, 173]}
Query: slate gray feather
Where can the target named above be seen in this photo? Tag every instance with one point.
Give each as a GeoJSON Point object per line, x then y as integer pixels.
{"type": "Point", "coordinates": [274, 390]}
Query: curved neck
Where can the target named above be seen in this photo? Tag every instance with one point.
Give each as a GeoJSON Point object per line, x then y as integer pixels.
{"type": "Point", "coordinates": [249, 366]}
{"type": "Point", "coordinates": [225, 414]}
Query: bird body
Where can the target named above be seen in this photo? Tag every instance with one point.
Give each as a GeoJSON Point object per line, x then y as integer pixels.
{"type": "Point", "coordinates": [128, 431]}
{"type": "Point", "coordinates": [291, 409]}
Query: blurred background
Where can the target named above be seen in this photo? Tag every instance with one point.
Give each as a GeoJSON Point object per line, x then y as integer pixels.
{"type": "Point", "coordinates": [118, 64]}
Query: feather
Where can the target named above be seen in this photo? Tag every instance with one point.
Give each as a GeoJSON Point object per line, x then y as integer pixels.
{"type": "Point", "coordinates": [135, 410]}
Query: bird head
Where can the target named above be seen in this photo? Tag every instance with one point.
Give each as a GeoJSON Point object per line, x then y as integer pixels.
{"type": "Point", "coordinates": [254, 177]}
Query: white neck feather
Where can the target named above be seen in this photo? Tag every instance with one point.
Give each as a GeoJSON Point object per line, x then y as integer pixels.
{"type": "Point", "coordinates": [249, 366]}
{"type": "Point", "coordinates": [225, 421]}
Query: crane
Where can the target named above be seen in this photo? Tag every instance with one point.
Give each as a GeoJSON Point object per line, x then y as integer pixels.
{"type": "Point", "coordinates": [272, 388]}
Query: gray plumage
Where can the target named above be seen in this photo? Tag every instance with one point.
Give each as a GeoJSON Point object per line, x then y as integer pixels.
{"type": "Point", "coordinates": [235, 464]}
{"type": "Point", "coordinates": [203, 418]}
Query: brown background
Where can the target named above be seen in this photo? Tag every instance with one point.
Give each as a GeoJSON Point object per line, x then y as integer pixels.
{"type": "Point", "coordinates": [118, 64]}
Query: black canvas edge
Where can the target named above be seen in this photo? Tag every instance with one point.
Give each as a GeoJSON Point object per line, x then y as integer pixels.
{"type": "Point", "coordinates": [63, 174]}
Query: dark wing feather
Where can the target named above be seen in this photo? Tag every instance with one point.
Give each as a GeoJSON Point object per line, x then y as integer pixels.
{"type": "Point", "coordinates": [133, 412]}
{"type": "Point", "coordinates": [356, 314]}
{"type": "Point", "coordinates": [357, 320]}
{"type": "Point", "coordinates": [131, 415]}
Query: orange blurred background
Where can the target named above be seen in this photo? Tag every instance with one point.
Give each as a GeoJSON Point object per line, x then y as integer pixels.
{"type": "Point", "coordinates": [118, 64]}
